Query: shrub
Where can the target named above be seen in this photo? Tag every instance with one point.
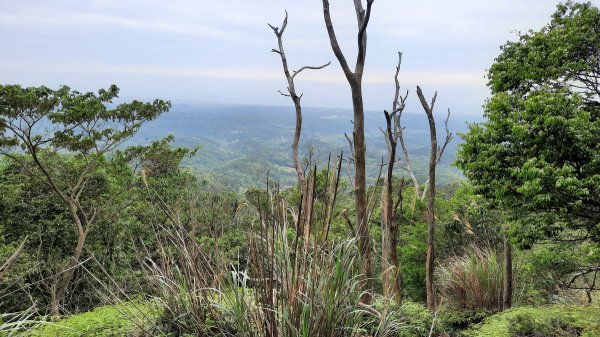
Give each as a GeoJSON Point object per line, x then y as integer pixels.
{"type": "Point", "coordinates": [549, 325]}
{"type": "Point", "coordinates": [417, 320]}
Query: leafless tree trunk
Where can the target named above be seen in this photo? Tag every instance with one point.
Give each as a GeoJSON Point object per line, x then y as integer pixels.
{"type": "Point", "coordinates": [508, 274]}
{"type": "Point", "coordinates": [291, 89]}
{"type": "Point", "coordinates": [303, 222]}
{"type": "Point", "coordinates": [355, 81]}
{"type": "Point", "coordinates": [436, 153]}
{"type": "Point", "coordinates": [389, 225]}
{"type": "Point", "coordinates": [69, 269]}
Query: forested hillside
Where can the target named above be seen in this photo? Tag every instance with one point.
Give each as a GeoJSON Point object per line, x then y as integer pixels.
{"type": "Point", "coordinates": [238, 144]}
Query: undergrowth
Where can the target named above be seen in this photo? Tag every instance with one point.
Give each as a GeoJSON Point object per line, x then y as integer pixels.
{"type": "Point", "coordinates": [551, 321]}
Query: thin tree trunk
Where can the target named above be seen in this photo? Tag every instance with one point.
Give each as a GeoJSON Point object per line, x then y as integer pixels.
{"type": "Point", "coordinates": [355, 81]}
{"type": "Point", "coordinates": [430, 260]}
{"type": "Point", "coordinates": [389, 236]}
{"type": "Point", "coordinates": [508, 274]}
{"type": "Point", "coordinates": [392, 287]}
{"type": "Point", "coordinates": [360, 192]}
{"type": "Point", "coordinates": [387, 269]}
{"type": "Point", "coordinates": [291, 88]}
{"type": "Point", "coordinates": [12, 259]}
{"type": "Point", "coordinates": [62, 285]}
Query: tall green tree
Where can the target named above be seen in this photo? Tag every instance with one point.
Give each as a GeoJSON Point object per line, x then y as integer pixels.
{"type": "Point", "coordinates": [38, 126]}
{"type": "Point", "coordinates": [538, 152]}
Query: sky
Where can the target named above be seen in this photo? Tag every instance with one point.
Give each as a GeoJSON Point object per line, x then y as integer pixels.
{"type": "Point", "coordinates": [219, 51]}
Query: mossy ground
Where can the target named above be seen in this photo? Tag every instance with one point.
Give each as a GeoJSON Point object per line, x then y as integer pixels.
{"type": "Point", "coordinates": [559, 320]}
{"type": "Point", "coordinates": [111, 320]}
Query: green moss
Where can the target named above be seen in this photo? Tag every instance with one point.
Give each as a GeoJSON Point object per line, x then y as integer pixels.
{"type": "Point", "coordinates": [118, 320]}
{"type": "Point", "coordinates": [453, 320]}
{"type": "Point", "coordinates": [417, 320]}
{"type": "Point", "coordinates": [408, 320]}
{"type": "Point", "coordinates": [557, 320]}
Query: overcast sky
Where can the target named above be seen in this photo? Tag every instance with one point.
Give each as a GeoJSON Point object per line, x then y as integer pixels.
{"type": "Point", "coordinates": [219, 51]}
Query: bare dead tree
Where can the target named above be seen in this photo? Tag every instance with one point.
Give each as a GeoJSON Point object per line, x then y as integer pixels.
{"type": "Point", "coordinates": [434, 158]}
{"type": "Point", "coordinates": [440, 151]}
{"type": "Point", "coordinates": [291, 92]}
{"type": "Point", "coordinates": [420, 195]}
{"type": "Point", "coordinates": [389, 225]}
{"type": "Point", "coordinates": [407, 160]}
{"type": "Point", "coordinates": [355, 81]}
{"type": "Point", "coordinates": [306, 190]}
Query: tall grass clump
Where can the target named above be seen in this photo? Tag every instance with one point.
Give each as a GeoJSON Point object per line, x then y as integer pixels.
{"type": "Point", "coordinates": [296, 281]}
{"type": "Point", "coordinates": [288, 293]}
{"type": "Point", "coordinates": [473, 281]}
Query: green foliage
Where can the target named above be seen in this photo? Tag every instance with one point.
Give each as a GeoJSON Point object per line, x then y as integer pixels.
{"type": "Point", "coordinates": [61, 140]}
{"type": "Point", "coordinates": [76, 122]}
{"type": "Point", "coordinates": [527, 325]}
{"type": "Point", "coordinates": [561, 53]}
{"type": "Point", "coordinates": [466, 220]}
{"type": "Point", "coordinates": [546, 270]}
{"type": "Point", "coordinates": [538, 152]}
{"type": "Point", "coordinates": [158, 159]}
{"type": "Point", "coordinates": [411, 252]}
{"type": "Point", "coordinates": [418, 319]}
{"type": "Point", "coordinates": [541, 321]}
{"type": "Point", "coordinates": [29, 208]}
{"type": "Point", "coordinates": [111, 320]}
{"type": "Point", "coordinates": [453, 321]}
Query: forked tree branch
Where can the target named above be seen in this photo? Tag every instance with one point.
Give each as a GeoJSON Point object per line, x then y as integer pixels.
{"type": "Point", "coordinates": [363, 22]}
{"type": "Point", "coordinates": [296, 72]}
{"type": "Point", "coordinates": [335, 46]}
{"type": "Point", "coordinates": [398, 105]}
{"type": "Point", "coordinates": [12, 259]}
{"type": "Point", "coordinates": [291, 88]}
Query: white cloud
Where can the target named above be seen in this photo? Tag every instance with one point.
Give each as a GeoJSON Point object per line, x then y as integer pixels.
{"type": "Point", "coordinates": [82, 19]}
{"type": "Point", "coordinates": [216, 44]}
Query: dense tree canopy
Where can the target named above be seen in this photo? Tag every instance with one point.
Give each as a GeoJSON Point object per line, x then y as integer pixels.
{"type": "Point", "coordinates": [62, 139]}
{"type": "Point", "coordinates": [563, 54]}
{"type": "Point", "coordinates": [538, 152]}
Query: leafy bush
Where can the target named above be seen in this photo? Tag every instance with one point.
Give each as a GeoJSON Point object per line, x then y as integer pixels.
{"type": "Point", "coordinates": [417, 320]}
{"type": "Point", "coordinates": [546, 270]}
{"type": "Point", "coordinates": [528, 325]}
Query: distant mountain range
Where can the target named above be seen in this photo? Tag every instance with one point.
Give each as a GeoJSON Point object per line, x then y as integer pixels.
{"type": "Point", "coordinates": [240, 143]}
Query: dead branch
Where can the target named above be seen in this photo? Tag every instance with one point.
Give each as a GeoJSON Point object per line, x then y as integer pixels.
{"type": "Point", "coordinates": [291, 88]}
{"type": "Point", "coordinates": [359, 153]}
{"type": "Point", "coordinates": [12, 259]}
